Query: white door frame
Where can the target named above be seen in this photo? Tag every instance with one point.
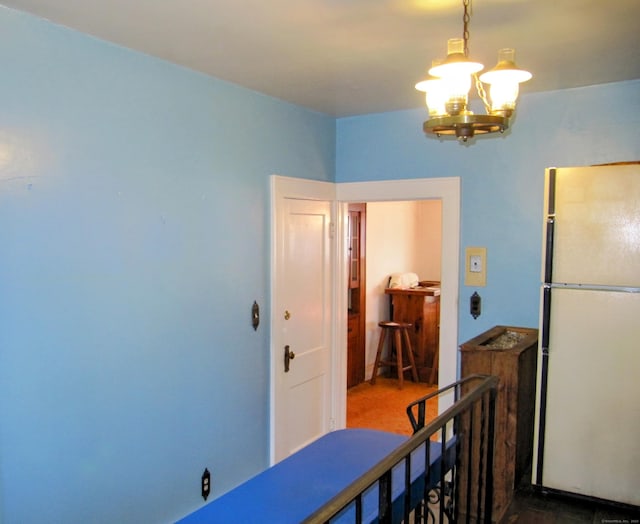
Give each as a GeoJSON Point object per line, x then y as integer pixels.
{"type": "Point", "coordinates": [448, 191]}
{"type": "Point", "coordinates": [445, 189]}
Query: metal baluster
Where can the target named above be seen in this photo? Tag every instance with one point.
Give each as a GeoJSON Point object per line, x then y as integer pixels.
{"type": "Point", "coordinates": [481, 457]}
{"type": "Point", "coordinates": [469, 442]}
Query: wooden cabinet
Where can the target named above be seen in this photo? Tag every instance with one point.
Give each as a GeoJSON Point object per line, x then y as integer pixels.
{"type": "Point", "coordinates": [510, 353]}
{"type": "Point", "coordinates": [421, 308]}
{"type": "Point", "coordinates": [355, 355]}
{"type": "Point", "coordinates": [356, 294]}
{"type": "Point", "coordinates": [355, 249]}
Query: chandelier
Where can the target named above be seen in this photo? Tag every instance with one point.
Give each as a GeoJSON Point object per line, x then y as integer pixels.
{"type": "Point", "coordinates": [447, 90]}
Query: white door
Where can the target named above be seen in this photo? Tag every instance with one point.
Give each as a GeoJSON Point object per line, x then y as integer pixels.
{"type": "Point", "coordinates": [301, 315]}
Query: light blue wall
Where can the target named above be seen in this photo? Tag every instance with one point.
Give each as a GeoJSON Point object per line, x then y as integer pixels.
{"type": "Point", "coordinates": [502, 179]}
{"type": "Point", "coordinates": [133, 242]}
{"type": "Point", "coordinates": [134, 239]}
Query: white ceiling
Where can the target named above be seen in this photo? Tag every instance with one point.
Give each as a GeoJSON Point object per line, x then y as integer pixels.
{"type": "Point", "coordinates": [349, 57]}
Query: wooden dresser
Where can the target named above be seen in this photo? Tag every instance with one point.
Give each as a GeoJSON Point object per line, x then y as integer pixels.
{"type": "Point", "coordinates": [421, 307]}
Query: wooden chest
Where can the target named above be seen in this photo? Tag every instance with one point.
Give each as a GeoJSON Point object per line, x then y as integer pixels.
{"type": "Point", "coordinates": [510, 353]}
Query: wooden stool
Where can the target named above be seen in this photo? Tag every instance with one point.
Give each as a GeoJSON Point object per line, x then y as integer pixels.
{"type": "Point", "coordinates": [396, 328]}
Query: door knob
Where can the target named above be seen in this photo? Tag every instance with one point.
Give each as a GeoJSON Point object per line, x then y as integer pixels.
{"type": "Point", "coordinates": [288, 357]}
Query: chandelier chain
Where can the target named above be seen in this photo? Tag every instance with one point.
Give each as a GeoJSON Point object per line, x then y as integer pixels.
{"type": "Point", "coordinates": [466, 18]}
{"type": "Point", "coordinates": [482, 93]}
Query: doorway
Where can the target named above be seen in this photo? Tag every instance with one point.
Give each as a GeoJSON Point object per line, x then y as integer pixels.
{"type": "Point", "coordinates": [448, 191]}
{"type": "Point", "coordinates": [402, 236]}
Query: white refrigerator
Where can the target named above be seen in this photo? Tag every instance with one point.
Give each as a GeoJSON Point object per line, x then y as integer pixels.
{"type": "Point", "coordinates": [587, 440]}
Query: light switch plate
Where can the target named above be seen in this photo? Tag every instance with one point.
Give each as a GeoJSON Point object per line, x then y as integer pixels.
{"type": "Point", "coordinates": [475, 266]}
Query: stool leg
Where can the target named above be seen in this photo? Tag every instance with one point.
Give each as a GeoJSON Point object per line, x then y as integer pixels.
{"type": "Point", "coordinates": [414, 369]}
{"type": "Point", "coordinates": [378, 356]}
{"type": "Point", "coordinates": [399, 358]}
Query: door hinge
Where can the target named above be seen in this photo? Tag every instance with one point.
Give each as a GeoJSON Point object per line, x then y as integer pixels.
{"type": "Point", "coordinates": [332, 229]}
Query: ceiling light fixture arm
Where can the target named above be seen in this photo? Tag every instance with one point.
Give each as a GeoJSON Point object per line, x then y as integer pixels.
{"type": "Point", "coordinates": [482, 93]}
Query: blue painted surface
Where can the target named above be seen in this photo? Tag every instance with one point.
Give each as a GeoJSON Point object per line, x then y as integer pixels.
{"type": "Point", "coordinates": [285, 493]}
{"type": "Point", "coordinates": [133, 241]}
{"type": "Point", "coordinates": [502, 179]}
{"type": "Point", "coordinates": [281, 495]}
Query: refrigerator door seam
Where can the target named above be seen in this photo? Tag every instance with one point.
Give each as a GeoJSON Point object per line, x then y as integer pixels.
{"type": "Point", "coordinates": [592, 287]}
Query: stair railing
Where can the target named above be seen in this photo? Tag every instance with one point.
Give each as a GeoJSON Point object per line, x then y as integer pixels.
{"type": "Point", "coordinates": [443, 473]}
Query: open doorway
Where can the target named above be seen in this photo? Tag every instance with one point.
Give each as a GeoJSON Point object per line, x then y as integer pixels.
{"type": "Point", "coordinates": [446, 189]}
{"type": "Point", "coordinates": [397, 237]}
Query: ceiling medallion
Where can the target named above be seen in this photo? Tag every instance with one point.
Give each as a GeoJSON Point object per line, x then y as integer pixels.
{"type": "Point", "coordinates": [449, 82]}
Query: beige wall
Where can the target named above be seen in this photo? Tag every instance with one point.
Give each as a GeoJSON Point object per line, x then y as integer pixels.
{"type": "Point", "coordinates": [401, 237]}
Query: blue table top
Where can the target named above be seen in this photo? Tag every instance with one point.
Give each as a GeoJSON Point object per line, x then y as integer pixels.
{"type": "Point", "coordinates": [291, 490]}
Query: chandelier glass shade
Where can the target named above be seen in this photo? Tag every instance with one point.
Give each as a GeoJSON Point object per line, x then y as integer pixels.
{"type": "Point", "coordinates": [450, 80]}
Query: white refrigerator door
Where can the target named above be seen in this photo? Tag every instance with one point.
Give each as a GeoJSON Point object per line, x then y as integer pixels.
{"type": "Point", "coordinates": [597, 230]}
{"type": "Point", "coordinates": [592, 444]}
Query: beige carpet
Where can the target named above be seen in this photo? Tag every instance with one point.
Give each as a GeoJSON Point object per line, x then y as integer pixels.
{"type": "Point", "coordinates": [383, 406]}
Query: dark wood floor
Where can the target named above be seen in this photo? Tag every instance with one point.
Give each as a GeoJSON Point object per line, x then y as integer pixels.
{"type": "Point", "coordinates": [532, 507]}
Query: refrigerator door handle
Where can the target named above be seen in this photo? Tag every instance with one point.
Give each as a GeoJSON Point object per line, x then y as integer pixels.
{"type": "Point", "coordinates": [544, 372]}
{"type": "Point", "coordinates": [548, 258]}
